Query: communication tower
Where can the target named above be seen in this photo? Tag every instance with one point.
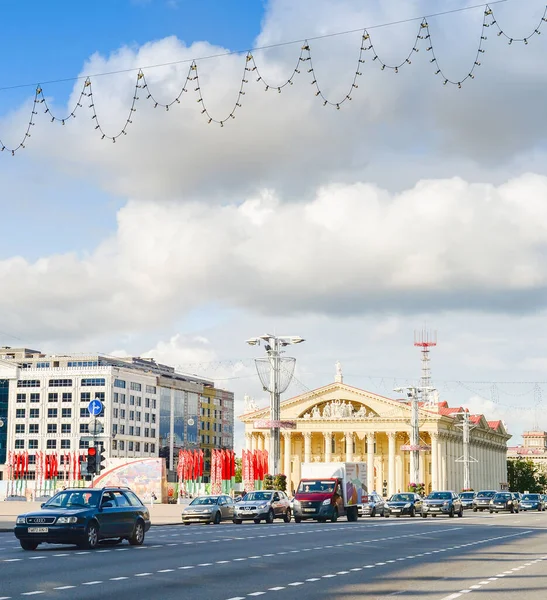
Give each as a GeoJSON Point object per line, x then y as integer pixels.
{"type": "Point", "coordinates": [425, 340]}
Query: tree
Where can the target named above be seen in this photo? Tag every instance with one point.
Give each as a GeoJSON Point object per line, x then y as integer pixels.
{"type": "Point", "coordinates": [238, 476]}
{"type": "Point", "coordinates": [525, 475]}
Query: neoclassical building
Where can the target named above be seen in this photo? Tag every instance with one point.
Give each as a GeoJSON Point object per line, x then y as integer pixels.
{"type": "Point", "coordinates": [339, 422]}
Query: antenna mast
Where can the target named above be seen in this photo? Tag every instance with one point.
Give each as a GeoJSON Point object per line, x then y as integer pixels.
{"type": "Point", "coordinates": [466, 459]}
{"type": "Point", "coordinates": [425, 340]}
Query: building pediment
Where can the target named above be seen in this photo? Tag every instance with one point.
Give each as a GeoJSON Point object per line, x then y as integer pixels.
{"type": "Point", "coordinates": [337, 401]}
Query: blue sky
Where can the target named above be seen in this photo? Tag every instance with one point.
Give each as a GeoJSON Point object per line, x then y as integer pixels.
{"type": "Point", "coordinates": [44, 41]}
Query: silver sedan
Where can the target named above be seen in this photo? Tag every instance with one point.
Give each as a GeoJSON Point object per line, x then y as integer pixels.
{"type": "Point", "coordinates": [209, 509]}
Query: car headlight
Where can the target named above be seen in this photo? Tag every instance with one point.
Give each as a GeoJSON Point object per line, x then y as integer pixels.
{"type": "Point", "coordinates": [446, 503]}
{"type": "Point", "coordinates": [263, 505]}
{"type": "Point", "coordinates": [326, 502]}
{"type": "Point", "coordinates": [408, 505]}
{"type": "Point", "coordinates": [67, 520]}
{"type": "Point", "coordinates": [21, 520]}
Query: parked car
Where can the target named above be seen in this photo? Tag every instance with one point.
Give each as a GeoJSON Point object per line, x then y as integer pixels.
{"type": "Point", "coordinates": [84, 516]}
{"type": "Point", "coordinates": [372, 505]}
{"type": "Point", "coordinates": [532, 502]}
{"type": "Point", "coordinates": [504, 501]}
{"type": "Point", "coordinates": [263, 505]}
{"type": "Point", "coordinates": [442, 503]}
{"type": "Point", "coordinates": [209, 509]}
{"type": "Point", "coordinates": [482, 500]}
{"type": "Point", "coordinates": [408, 503]}
{"type": "Point", "coordinates": [467, 499]}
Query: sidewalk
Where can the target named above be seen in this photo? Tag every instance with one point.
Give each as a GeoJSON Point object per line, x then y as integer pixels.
{"type": "Point", "coordinates": [160, 514]}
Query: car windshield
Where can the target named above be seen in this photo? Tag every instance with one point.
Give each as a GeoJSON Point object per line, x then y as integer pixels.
{"type": "Point", "coordinates": [531, 497]}
{"type": "Point", "coordinates": [439, 496]}
{"type": "Point", "coordinates": [74, 499]}
{"type": "Point", "coordinates": [486, 494]}
{"type": "Point", "coordinates": [402, 498]}
{"type": "Point", "coordinates": [255, 496]}
{"type": "Point", "coordinates": [467, 495]}
{"type": "Point", "coordinates": [316, 487]}
{"type": "Point", "coordinates": [502, 497]}
{"type": "Point", "coordinates": [205, 500]}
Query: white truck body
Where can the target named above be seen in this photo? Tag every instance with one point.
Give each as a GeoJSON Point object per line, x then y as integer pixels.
{"type": "Point", "coordinates": [352, 474]}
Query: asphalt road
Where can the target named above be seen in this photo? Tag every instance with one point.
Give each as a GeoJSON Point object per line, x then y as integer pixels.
{"type": "Point", "coordinates": [488, 556]}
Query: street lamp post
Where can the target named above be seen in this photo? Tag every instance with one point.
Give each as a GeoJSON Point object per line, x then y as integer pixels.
{"type": "Point", "coordinates": [412, 393]}
{"type": "Point", "coordinates": [275, 379]}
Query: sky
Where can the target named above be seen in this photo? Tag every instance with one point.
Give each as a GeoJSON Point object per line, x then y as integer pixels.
{"type": "Point", "coordinates": [415, 204]}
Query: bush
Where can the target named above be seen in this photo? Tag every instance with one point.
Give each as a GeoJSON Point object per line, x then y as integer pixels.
{"type": "Point", "coordinates": [280, 483]}
{"type": "Point", "coordinates": [268, 482]}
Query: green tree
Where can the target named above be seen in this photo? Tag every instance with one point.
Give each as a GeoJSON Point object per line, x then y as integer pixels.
{"type": "Point", "coordinates": [524, 475]}
{"type": "Point", "coordinates": [238, 476]}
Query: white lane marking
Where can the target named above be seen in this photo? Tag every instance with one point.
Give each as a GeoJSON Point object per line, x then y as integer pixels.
{"type": "Point", "coordinates": [276, 589]}
{"type": "Point", "coordinates": [166, 570]}
{"type": "Point", "coordinates": [65, 554]}
{"type": "Point", "coordinates": [64, 587]}
{"type": "Point", "coordinates": [295, 583]}
{"type": "Point", "coordinates": [31, 593]}
{"type": "Point", "coordinates": [188, 567]}
{"type": "Point", "coordinates": [328, 576]}
{"type": "Point", "coordinates": [142, 574]}
{"type": "Point", "coordinates": [313, 579]}
{"type": "Point", "coordinates": [36, 557]}
{"type": "Point", "coordinates": [223, 562]}
{"type": "Point", "coordinates": [12, 559]}
{"type": "Point", "coordinates": [257, 594]}
{"type": "Point", "coordinates": [118, 578]}
{"type": "Point", "coordinates": [91, 582]}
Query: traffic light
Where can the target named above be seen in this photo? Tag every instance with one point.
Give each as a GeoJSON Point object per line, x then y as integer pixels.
{"type": "Point", "coordinates": [92, 460]}
{"type": "Point", "coordinates": [101, 460]}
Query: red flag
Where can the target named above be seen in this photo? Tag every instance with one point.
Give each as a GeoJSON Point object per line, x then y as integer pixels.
{"type": "Point", "coordinates": [196, 464]}
{"type": "Point", "coordinates": [233, 473]}
{"type": "Point", "coordinates": [200, 468]}
{"type": "Point", "coordinates": [26, 462]}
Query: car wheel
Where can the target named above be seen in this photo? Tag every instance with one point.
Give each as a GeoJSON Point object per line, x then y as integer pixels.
{"type": "Point", "coordinates": [287, 516]}
{"type": "Point", "coordinates": [451, 513]}
{"type": "Point", "coordinates": [512, 509]}
{"type": "Point", "coordinates": [298, 519]}
{"type": "Point", "coordinates": [433, 516]}
{"type": "Point", "coordinates": [257, 521]}
{"type": "Point", "coordinates": [460, 514]}
{"type": "Point", "coordinates": [491, 512]}
{"type": "Point", "coordinates": [474, 509]}
{"type": "Point", "coordinates": [91, 537]}
{"type": "Point", "coordinates": [185, 523]}
{"type": "Point", "coordinates": [386, 515]}
{"type": "Point", "coordinates": [28, 545]}
{"type": "Point", "coordinates": [373, 512]}
{"type": "Point", "coordinates": [237, 521]}
{"type": "Point", "coordinates": [412, 511]}
{"type": "Point", "coordinates": [217, 519]}
{"type": "Point", "coordinates": [270, 516]}
{"type": "Point", "coordinates": [424, 515]}
{"type": "Point", "coordinates": [137, 538]}
{"type": "Point", "coordinates": [334, 517]}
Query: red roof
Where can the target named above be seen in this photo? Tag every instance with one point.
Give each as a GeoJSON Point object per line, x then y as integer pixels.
{"type": "Point", "coordinates": [494, 424]}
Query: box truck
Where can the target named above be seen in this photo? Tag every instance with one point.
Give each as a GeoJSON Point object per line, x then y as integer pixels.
{"type": "Point", "coordinates": [330, 490]}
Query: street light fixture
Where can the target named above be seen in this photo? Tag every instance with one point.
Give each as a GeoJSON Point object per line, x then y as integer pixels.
{"type": "Point", "coordinates": [412, 393]}
{"type": "Point", "coordinates": [275, 373]}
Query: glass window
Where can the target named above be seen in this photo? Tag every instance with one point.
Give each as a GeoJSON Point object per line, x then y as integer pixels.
{"type": "Point", "coordinates": [19, 444]}
{"type": "Point", "coordinates": [136, 386]}
{"type": "Point", "coordinates": [138, 431]}
{"type": "Point", "coordinates": [151, 389]}
{"type": "Point", "coordinates": [114, 444]}
{"type": "Point", "coordinates": [114, 428]}
{"type": "Point", "coordinates": [153, 432]}
{"type": "Point", "coordinates": [34, 413]}
{"type": "Point", "coordinates": [83, 363]}
{"type": "Point", "coordinates": [119, 383]}
{"type": "Point", "coordinates": [146, 417]}
{"type": "Point", "coordinates": [53, 397]}
{"type": "Point", "coordinates": [137, 446]}
{"type": "Point", "coordinates": [132, 400]}
{"type": "Point", "coordinates": [84, 444]}
{"type": "Point", "coordinates": [21, 397]}
{"type": "Point", "coordinates": [52, 427]}
{"type": "Point", "coordinates": [122, 429]}
{"type": "Point", "coordinates": [60, 383]}
{"type": "Point", "coordinates": [133, 499]}
{"type": "Point", "coordinates": [146, 447]}
{"type": "Point", "coordinates": [115, 399]}
{"type": "Point", "coordinates": [20, 428]}
{"type": "Point", "coordinates": [42, 365]}
{"type": "Point", "coordinates": [66, 428]}
{"type": "Point", "coordinates": [121, 445]}
{"type": "Point", "coordinates": [34, 428]}
{"type": "Point", "coordinates": [28, 383]}
{"type": "Point", "coordinates": [147, 402]}
{"type": "Point", "coordinates": [66, 413]}
{"type": "Point", "coordinates": [67, 396]}
{"type": "Point", "coordinates": [32, 444]}
{"type": "Point", "coordinates": [122, 413]}
{"type": "Point", "coordinates": [139, 401]}
{"type": "Point", "coordinates": [146, 432]}
{"type": "Point", "coordinates": [138, 416]}
{"type": "Point", "coordinates": [152, 447]}
{"type": "Point", "coordinates": [84, 413]}
{"type": "Point", "coordinates": [122, 398]}
{"type": "Point", "coordinates": [131, 415]}
{"type": "Point", "coordinates": [84, 427]}
{"type": "Point", "coordinates": [35, 397]}
{"type": "Point", "coordinates": [52, 413]}
{"type": "Point", "coordinates": [20, 413]}
{"type": "Point", "coordinates": [93, 381]}
{"type": "Point", "coordinates": [85, 396]}
{"type": "Point", "coordinates": [65, 444]}
{"type": "Point", "coordinates": [51, 444]}
{"type": "Point", "coordinates": [130, 446]}
{"type": "Point", "coordinates": [115, 413]}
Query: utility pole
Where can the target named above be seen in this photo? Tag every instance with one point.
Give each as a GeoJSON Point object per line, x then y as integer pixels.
{"type": "Point", "coordinates": [275, 374]}
{"type": "Point", "coordinates": [412, 393]}
{"type": "Point", "coordinates": [466, 459]}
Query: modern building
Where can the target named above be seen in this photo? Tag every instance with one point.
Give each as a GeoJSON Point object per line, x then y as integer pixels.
{"type": "Point", "coordinates": [342, 423]}
{"type": "Point", "coordinates": [217, 423]}
{"type": "Point", "coordinates": [534, 447]}
{"type": "Point", "coordinates": [147, 406]}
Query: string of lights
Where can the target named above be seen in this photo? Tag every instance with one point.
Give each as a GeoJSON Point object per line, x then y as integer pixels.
{"type": "Point", "coordinates": [305, 59]}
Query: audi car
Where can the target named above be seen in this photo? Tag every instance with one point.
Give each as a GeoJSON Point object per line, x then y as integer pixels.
{"type": "Point", "coordinates": [408, 503]}
{"type": "Point", "coordinates": [208, 509]}
{"type": "Point", "coordinates": [442, 503]}
{"type": "Point", "coordinates": [85, 516]}
{"type": "Point", "coordinates": [263, 505]}
{"type": "Point", "coordinates": [482, 500]}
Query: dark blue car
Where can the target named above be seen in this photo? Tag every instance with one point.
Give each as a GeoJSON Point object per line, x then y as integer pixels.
{"type": "Point", "coordinates": [84, 516]}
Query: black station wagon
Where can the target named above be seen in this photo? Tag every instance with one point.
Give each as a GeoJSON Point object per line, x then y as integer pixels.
{"type": "Point", "coordinates": [84, 516]}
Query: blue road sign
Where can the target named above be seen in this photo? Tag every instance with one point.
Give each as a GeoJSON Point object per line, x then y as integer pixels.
{"type": "Point", "coordinates": [95, 407]}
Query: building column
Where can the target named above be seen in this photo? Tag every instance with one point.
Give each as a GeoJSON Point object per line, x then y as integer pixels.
{"type": "Point", "coordinates": [287, 456]}
{"type": "Point", "coordinates": [328, 445]}
{"type": "Point", "coordinates": [391, 437]}
{"type": "Point", "coordinates": [254, 442]}
{"type": "Point", "coordinates": [423, 474]}
{"type": "Point", "coordinates": [442, 451]}
{"type": "Point", "coordinates": [434, 461]}
{"type": "Point", "coordinates": [370, 462]}
{"type": "Point", "coordinates": [307, 446]}
{"type": "Point", "coordinates": [248, 441]}
{"type": "Point", "coordinates": [349, 446]}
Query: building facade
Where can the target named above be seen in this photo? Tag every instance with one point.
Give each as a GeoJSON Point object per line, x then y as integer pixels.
{"type": "Point", "coordinates": [343, 423]}
{"type": "Point", "coordinates": [534, 447]}
{"type": "Point", "coordinates": [216, 423]}
{"type": "Point", "coordinates": [147, 406]}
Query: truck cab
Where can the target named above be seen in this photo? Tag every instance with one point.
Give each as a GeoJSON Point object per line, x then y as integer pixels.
{"type": "Point", "coordinates": [319, 499]}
